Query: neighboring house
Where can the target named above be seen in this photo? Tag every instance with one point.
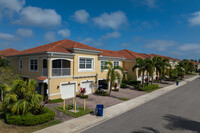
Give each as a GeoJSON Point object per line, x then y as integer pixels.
{"type": "Point", "coordinates": [7, 52]}
{"type": "Point", "coordinates": [130, 62]}
{"type": "Point", "coordinates": [173, 62]}
{"type": "Point", "coordinates": [197, 66]}
{"type": "Point", "coordinates": [63, 67]}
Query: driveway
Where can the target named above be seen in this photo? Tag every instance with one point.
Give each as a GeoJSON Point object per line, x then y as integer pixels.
{"type": "Point", "coordinates": [127, 93]}
{"type": "Point", "coordinates": [91, 103]}
{"type": "Point", "coordinates": [174, 112]}
{"type": "Point", "coordinates": [94, 99]}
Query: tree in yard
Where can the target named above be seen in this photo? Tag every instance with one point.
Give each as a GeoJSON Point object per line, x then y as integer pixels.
{"type": "Point", "coordinates": [6, 77]}
{"type": "Point", "coordinates": [142, 66]}
{"type": "Point", "coordinates": [155, 67]}
{"type": "Point", "coordinates": [191, 67]}
{"type": "Point", "coordinates": [165, 66]}
{"type": "Point", "coordinates": [4, 63]}
{"type": "Point", "coordinates": [22, 98]}
{"type": "Point", "coordinates": [113, 74]}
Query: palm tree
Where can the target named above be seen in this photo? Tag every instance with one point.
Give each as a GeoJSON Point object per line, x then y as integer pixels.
{"type": "Point", "coordinates": [113, 74]}
{"type": "Point", "coordinates": [155, 67]}
{"type": "Point", "coordinates": [21, 97]}
{"type": "Point", "coordinates": [142, 65]}
{"type": "Point", "coordinates": [149, 68]}
{"type": "Point", "coordinates": [6, 77]}
{"type": "Point", "coordinates": [165, 65]}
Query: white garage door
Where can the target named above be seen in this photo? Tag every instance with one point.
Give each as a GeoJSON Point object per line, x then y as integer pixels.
{"type": "Point", "coordinates": [88, 85]}
{"type": "Point", "coordinates": [68, 90]}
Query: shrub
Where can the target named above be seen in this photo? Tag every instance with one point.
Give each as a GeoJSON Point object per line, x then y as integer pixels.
{"type": "Point", "coordinates": [116, 90]}
{"type": "Point", "coordinates": [134, 82]}
{"type": "Point", "coordinates": [138, 86]}
{"type": "Point", "coordinates": [101, 92]}
{"type": "Point", "coordinates": [84, 96]}
{"type": "Point", "coordinates": [125, 81]}
{"type": "Point", "coordinates": [29, 119]}
{"type": "Point", "coordinates": [123, 85]}
{"type": "Point", "coordinates": [149, 87]}
{"type": "Point", "coordinates": [56, 100]}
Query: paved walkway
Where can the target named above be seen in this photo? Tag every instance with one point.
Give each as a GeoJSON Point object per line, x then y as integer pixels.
{"type": "Point", "coordinates": [87, 121]}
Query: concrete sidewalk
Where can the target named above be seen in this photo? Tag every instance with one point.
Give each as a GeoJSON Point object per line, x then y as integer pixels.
{"type": "Point", "coordinates": [87, 121]}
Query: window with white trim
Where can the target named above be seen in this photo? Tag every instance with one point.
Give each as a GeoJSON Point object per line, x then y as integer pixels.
{"type": "Point", "coordinates": [20, 64]}
{"type": "Point", "coordinates": [103, 64]}
{"type": "Point", "coordinates": [33, 64]}
{"type": "Point", "coordinates": [116, 63]}
{"type": "Point", "coordinates": [86, 63]}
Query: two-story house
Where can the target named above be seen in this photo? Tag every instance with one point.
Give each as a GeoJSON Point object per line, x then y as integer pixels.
{"type": "Point", "coordinates": [63, 67]}
{"type": "Point", "coordinates": [130, 62]}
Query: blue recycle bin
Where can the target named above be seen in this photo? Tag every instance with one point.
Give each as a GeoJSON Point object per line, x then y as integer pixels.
{"type": "Point", "coordinates": [177, 82]}
{"type": "Point", "coordinates": [99, 109]}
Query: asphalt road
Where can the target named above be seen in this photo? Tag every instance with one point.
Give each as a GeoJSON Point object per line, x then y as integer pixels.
{"type": "Point", "coordinates": [175, 112]}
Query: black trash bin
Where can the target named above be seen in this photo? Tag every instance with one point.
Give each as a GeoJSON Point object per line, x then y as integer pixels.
{"type": "Point", "coordinates": [99, 109]}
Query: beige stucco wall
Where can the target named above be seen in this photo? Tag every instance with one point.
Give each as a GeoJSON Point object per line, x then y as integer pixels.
{"type": "Point", "coordinates": [25, 67]}
{"type": "Point", "coordinates": [128, 65]}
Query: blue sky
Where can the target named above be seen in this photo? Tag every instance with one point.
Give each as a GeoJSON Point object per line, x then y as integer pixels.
{"type": "Point", "coordinates": [167, 27]}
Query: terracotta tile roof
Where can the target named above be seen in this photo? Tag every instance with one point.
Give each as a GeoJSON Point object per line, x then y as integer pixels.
{"type": "Point", "coordinates": [128, 54]}
{"type": "Point", "coordinates": [195, 63]}
{"type": "Point", "coordinates": [110, 53]}
{"type": "Point", "coordinates": [177, 59]}
{"type": "Point", "coordinates": [145, 55]}
{"type": "Point", "coordinates": [155, 55]}
{"type": "Point", "coordinates": [41, 78]}
{"type": "Point", "coordinates": [7, 52]}
{"type": "Point", "coordinates": [65, 46]}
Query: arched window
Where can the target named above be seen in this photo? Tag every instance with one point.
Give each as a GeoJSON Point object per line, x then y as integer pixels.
{"type": "Point", "coordinates": [60, 67]}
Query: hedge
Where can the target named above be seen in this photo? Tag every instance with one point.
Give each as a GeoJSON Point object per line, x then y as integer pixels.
{"type": "Point", "coordinates": [150, 87]}
{"type": "Point", "coordinates": [29, 119]}
{"type": "Point", "coordinates": [134, 82]}
{"type": "Point", "coordinates": [56, 100]}
{"type": "Point", "coordinates": [84, 96]}
{"type": "Point", "coordinates": [123, 85]}
{"type": "Point", "coordinates": [101, 92]}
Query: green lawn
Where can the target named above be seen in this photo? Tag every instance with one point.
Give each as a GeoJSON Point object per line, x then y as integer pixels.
{"type": "Point", "coordinates": [9, 128]}
{"type": "Point", "coordinates": [75, 115]}
{"type": "Point", "coordinates": [124, 99]}
{"type": "Point", "coordinates": [148, 91]}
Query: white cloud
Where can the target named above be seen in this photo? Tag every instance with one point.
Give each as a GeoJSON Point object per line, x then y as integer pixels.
{"type": "Point", "coordinates": [81, 16]}
{"type": "Point", "coordinates": [113, 20]}
{"type": "Point", "coordinates": [195, 19]}
{"type": "Point", "coordinates": [50, 36]}
{"type": "Point", "coordinates": [90, 41]}
{"type": "Point", "coordinates": [146, 24]}
{"type": "Point", "coordinates": [114, 34]}
{"type": "Point", "coordinates": [35, 16]}
{"type": "Point", "coordinates": [24, 32]}
{"type": "Point", "coordinates": [12, 5]}
{"type": "Point", "coordinates": [160, 45]}
{"type": "Point", "coordinates": [125, 44]}
{"type": "Point", "coordinates": [150, 3]}
{"type": "Point", "coordinates": [8, 37]}
{"type": "Point", "coordinates": [190, 47]}
{"type": "Point", "coordinates": [64, 32]}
